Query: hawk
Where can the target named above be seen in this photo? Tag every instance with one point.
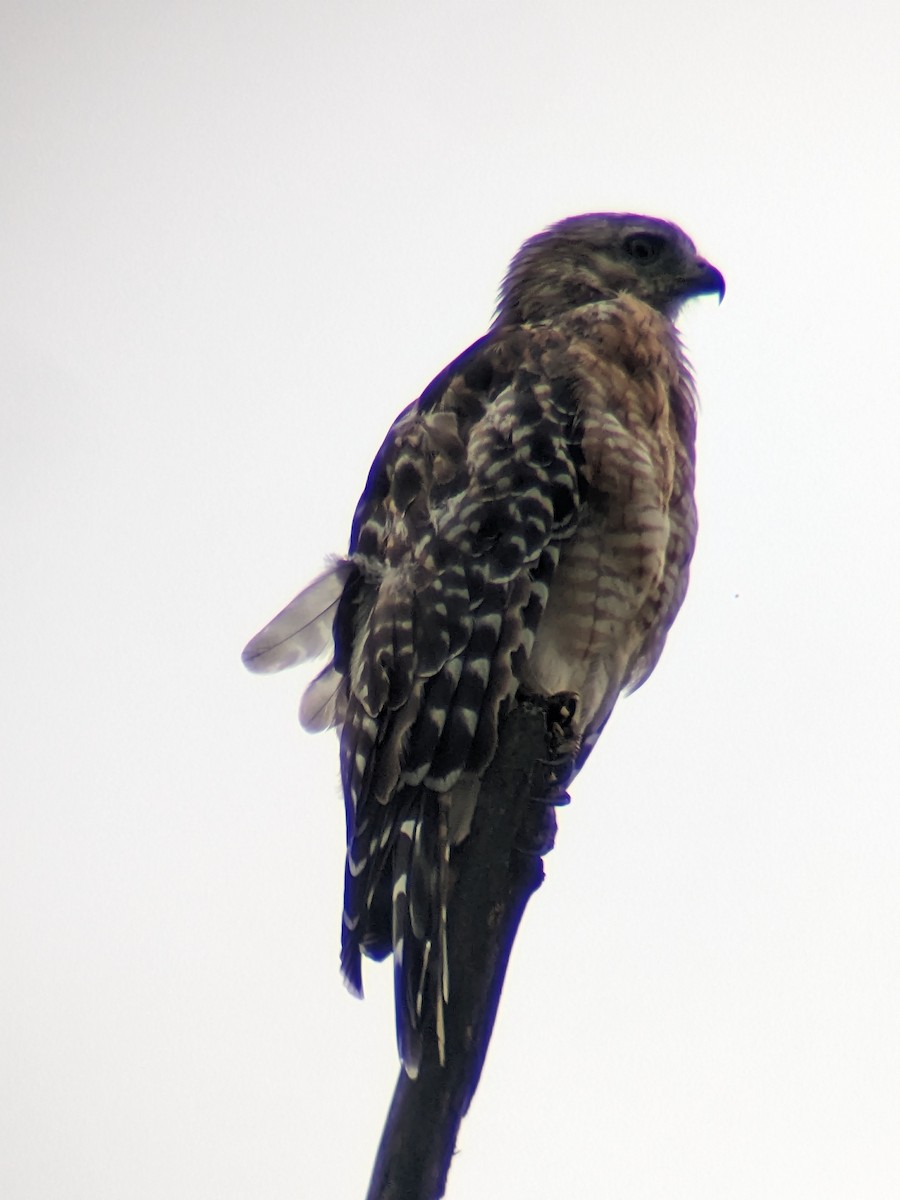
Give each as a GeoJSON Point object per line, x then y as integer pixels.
{"type": "Point", "coordinates": [526, 528]}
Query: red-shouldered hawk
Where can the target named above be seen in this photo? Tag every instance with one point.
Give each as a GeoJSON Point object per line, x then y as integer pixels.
{"type": "Point", "coordinates": [526, 527]}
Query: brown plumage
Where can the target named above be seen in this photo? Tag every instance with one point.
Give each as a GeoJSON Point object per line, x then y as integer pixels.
{"type": "Point", "coordinates": [527, 525]}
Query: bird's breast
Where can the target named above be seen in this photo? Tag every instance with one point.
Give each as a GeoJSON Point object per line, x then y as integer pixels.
{"type": "Point", "coordinates": [593, 627]}
{"type": "Point", "coordinates": [611, 597]}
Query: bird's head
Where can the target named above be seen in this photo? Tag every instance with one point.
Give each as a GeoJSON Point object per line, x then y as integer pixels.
{"type": "Point", "coordinates": [596, 257]}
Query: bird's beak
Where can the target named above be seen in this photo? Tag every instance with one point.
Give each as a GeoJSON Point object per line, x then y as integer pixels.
{"type": "Point", "coordinates": [707, 280]}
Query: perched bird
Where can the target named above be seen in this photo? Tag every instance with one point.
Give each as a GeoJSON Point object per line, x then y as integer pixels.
{"type": "Point", "coordinates": [526, 528]}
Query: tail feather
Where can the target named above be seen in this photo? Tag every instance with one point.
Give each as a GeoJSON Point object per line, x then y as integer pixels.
{"type": "Point", "coordinates": [419, 927]}
{"type": "Point", "coordinates": [410, 951]}
{"type": "Point", "coordinates": [323, 702]}
{"type": "Point", "coordinates": [303, 629]}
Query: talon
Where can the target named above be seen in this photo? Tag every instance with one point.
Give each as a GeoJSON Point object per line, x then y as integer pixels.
{"type": "Point", "coordinates": [562, 706]}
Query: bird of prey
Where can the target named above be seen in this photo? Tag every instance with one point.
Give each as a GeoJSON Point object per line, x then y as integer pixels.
{"type": "Point", "coordinates": [526, 529]}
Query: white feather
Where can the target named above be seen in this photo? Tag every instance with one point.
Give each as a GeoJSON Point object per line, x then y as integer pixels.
{"type": "Point", "coordinates": [319, 706]}
{"type": "Point", "coordinates": [303, 629]}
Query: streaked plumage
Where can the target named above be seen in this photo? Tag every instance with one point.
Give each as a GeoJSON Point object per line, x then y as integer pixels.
{"type": "Point", "coordinates": [527, 525]}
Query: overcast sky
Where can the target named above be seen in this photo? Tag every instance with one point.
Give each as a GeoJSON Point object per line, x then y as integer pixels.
{"type": "Point", "coordinates": [235, 240]}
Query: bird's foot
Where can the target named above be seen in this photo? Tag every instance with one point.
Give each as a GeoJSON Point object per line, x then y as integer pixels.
{"type": "Point", "coordinates": [562, 746]}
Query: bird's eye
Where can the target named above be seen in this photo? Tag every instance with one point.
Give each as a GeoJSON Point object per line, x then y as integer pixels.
{"type": "Point", "coordinates": [644, 247]}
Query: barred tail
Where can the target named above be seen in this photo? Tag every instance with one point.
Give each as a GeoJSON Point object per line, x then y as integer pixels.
{"type": "Point", "coordinates": [421, 877]}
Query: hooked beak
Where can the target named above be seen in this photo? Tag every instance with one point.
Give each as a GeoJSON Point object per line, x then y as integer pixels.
{"type": "Point", "coordinates": [707, 280]}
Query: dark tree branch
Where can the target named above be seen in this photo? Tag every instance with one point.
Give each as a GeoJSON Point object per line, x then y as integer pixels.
{"type": "Point", "coordinates": [495, 877]}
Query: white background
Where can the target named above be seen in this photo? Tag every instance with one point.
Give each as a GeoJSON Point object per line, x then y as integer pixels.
{"type": "Point", "coordinates": [236, 240]}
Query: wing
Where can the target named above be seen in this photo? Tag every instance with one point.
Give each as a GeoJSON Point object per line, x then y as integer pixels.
{"type": "Point", "coordinates": [454, 544]}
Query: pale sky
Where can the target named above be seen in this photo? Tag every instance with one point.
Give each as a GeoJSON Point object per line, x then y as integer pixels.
{"type": "Point", "coordinates": [235, 240]}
